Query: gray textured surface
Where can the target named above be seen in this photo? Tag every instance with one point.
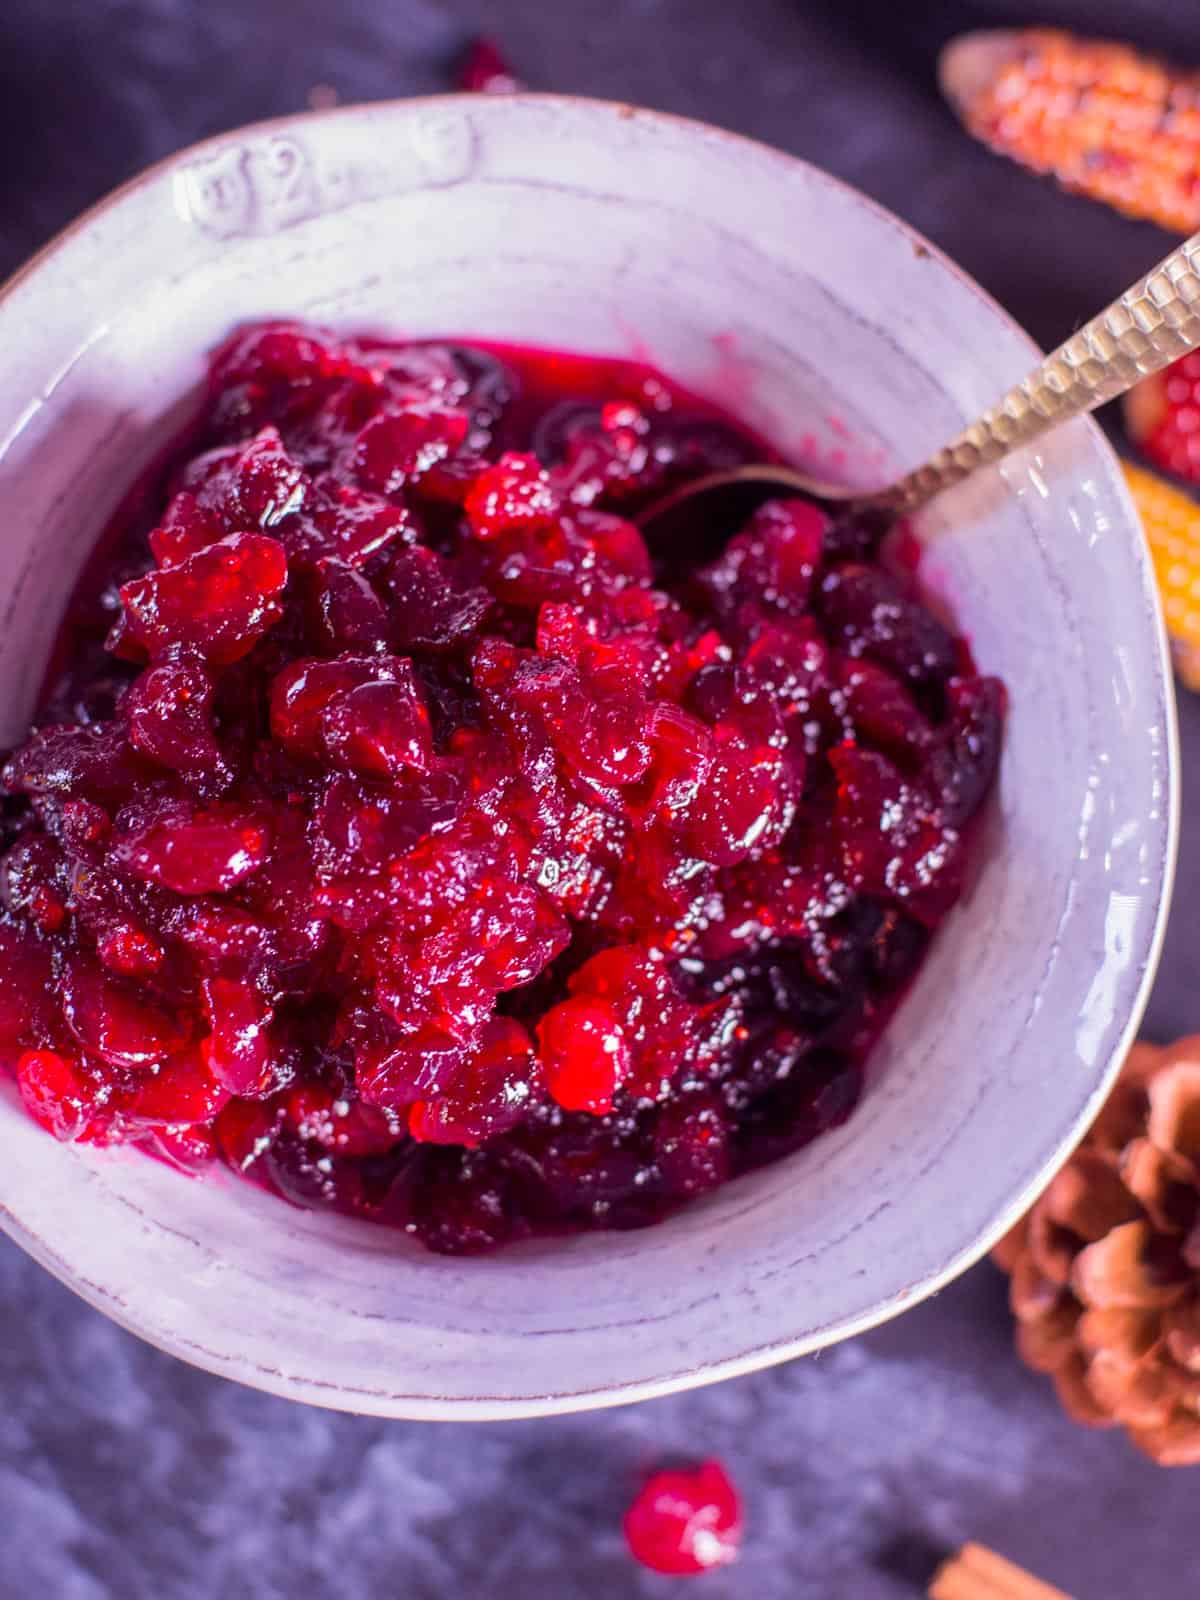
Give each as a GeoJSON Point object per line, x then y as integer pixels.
{"type": "Point", "coordinates": [125, 1474]}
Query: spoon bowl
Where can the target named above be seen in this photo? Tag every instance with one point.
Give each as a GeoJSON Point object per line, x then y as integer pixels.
{"type": "Point", "coordinates": [1153, 323]}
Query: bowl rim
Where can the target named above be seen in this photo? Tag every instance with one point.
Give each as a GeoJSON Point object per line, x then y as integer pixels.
{"type": "Point", "coordinates": [425, 1406]}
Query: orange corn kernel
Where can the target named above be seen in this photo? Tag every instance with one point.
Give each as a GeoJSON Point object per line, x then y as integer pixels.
{"type": "Point", "coordinates": [1171, 519]}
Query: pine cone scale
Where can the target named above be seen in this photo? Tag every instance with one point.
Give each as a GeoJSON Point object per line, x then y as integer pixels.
{"type": "Point", "coordinates": [1163, 1183]}
{"type": "Point", "coordinates": [1120, 1271]}
{"type": "Point", "coordinates": [1135, 1393]}
{"type": "Point", "coordinates": [1174, 1120]}
{"type": "Point", "coordinates": [1077, 1399]}
{"type": "Point", "coordinates": [1031, 1294]}
{"type": "Point", "coordinates": [1174, 1443]}
{"type": "Point", "coordinates": [1047, 1343]}
{"type": "Point", "coordinates": [1130, 1334]}
{"type": "Point", "coordinates": [1181, 1333]}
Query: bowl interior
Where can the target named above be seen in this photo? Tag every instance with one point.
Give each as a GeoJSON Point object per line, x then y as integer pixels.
{"type": "Point", "coordinates": [760, 282]}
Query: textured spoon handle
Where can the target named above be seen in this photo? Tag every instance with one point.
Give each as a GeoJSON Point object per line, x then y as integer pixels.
{"type": "Point", "coordinates": [1152, 324]}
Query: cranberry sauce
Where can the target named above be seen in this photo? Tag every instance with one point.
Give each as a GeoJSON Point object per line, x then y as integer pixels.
{"type": "Point", "coordinates": [422, 844]}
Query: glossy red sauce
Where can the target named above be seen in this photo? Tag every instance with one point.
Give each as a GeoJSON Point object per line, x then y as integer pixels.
{"type": "Point", "coordinates": [406, 832]}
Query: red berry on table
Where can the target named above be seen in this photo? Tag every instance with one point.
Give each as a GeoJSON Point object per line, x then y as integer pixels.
{"type": "Point", "coordinates": [685, 1521]}
{"type": "Point", "coordinates": [483, 70]}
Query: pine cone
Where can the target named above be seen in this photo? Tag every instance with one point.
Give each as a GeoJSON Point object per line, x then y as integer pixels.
{"type": "Point", "coordinates": [1105, 1269]}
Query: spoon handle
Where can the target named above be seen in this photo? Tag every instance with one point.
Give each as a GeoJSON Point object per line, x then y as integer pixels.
{"type": "Point", "coordinates": [1151, 325]}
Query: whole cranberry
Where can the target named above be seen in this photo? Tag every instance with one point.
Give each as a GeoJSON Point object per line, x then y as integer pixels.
{"type": "Point", "coordinates": [685, 1521]}
{"type": "Point", "coordinates": [584, 1054]}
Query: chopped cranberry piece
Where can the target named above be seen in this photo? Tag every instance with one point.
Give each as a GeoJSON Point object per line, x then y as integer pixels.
{"type": "Point", "coordinates": [613, 544]}
{"type": "Point", "coordinates": [220, 601]}
{"type": "Point", "coordinates": [868, 614]}
{"type": "Point", "coordinates": [113, 1020]}
{"type": "Point", "coordinates": [685, 1520]}
{"type": "Point", "coordinates": [891, 843]}
{"type": "Point", "coordinates": [490, 1095]}
{"type": "Point", "coordinates": [740, 806]}
{"type": "Point", "coordinates": [787, 660]}
{"type": "Point", "coordinates": [224, 940]}
{"type": "Point", "coordinates": [304, 690]}
{"type": "Point", "coordinates": [350, 523]}
{"type": "Point", "coordinates": [255, 485]}
{"type": "Point", "coordinates": [880, 712]}
{"type": "Point", "coordinates": [363, 829]}
{"type": "Point", "coordinates": [439, 851]}
{"type": "Point", "coordinates": [461, 1209]}
{"type": "Point", "coordinates": [808, 1093]}
{"type": "Point", "coordinates": [403, 1071]}
{"type": "Point", "coordinates": [772, 563]}
{"type": "Point", "coordinates": [129, 950]}
{"type": "Point", "coordinates": [26, 1009]}
{"type": "Point", "coordinates": [345, 611]}
{"type": "Point", "coordinates": [563, 1175]}
{"type": "Point", "coordinates": [66, 761]}
{"type": "Point", "coordinates": [967, 747]}
{"type": "Point", "coordinates": [681, 760]}
{"type": "Point", "coordinates": [83, 822]}
{"type": "Point", "coordinates": [237, 1052]}
{"type": "Point", "coordinates": [661, 1029]}
{"type": "Point", "coordinates": [180, 1092]}
{"type": "Point", "coordinates": [278, 353]}
{"type": "Point", "coordinates": [431, 609]}
{"type": "Point", "coordinates": [198, 853]}
{"type": "Point", "coordinates": [169, 711]}
{"type": "Point", "coordinates": [513, 496]}
{"type": "Point", "coordinates": [346, 1127]}
{"type": "Point", "coordinates": [609, 454]}
{"type": "Point", "coordinates": [692, 1143]}
{"type": "Point", "coordinates": [378, 730]}
{"type": "Point", "coordinates": [396, 448]}
{"type": "Point", "coordinates": [186, 528]}
{"type": "Point", "coordinates": [897, 947]}
{"type": "Point", "coordinates": [34, 882]}
{"type": "Point", "coordinates": [245, 1131]}
{"type": "Point", "coordinates": [64, 1099]}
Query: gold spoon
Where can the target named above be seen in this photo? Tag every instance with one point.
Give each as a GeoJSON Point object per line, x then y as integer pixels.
{"type": "Point", "coordinates": [1151, 325]}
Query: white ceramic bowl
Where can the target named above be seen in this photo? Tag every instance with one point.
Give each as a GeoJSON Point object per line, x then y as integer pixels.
{"type": "Point", "coordinates": [839, 333]}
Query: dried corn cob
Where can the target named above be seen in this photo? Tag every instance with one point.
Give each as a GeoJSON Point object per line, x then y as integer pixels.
{"type": "Point", "coordinates": [1171, 520]}
{"type": "Point", "coordinates": [1162, 417]}
{"type": "Point", "coordinates": [1107, 122]}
